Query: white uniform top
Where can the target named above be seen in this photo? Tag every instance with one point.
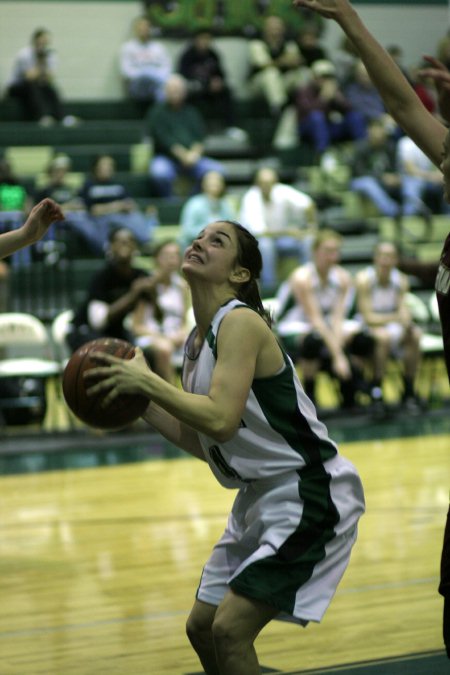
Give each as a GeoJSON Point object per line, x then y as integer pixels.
{"type": "Point", "coordinates": [385, 298]}
{"type": "Point", "coordinates": [286, 209]}
{"type": "Point", "coordinates": [292, 317]}
{"type": "Point", "coordinates": [294, 520]}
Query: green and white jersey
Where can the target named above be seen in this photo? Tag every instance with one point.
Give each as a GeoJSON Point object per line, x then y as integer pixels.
{"type": "Point", "coordinates": [294, 521]}
{"type": "Point", "coordinates": [279, 430]}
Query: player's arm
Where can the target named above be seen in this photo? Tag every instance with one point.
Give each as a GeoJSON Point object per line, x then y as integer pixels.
{"type": "Point", "coordinates": [304, 295]}
{"type": "Point", "coordinates": [173, 430]}
{"type": "Point", "coordinates": [216, 414]}
{"type": "Point", "coordinates": [219, 413]}
{"type": "Point", "coordinates": [339, 313]}
{"type": "Point", "coordinates": [399, 97]}
{"type": "Point", "coordinates": [36, 225]}
{"type": "Point", "coordinates": [404, 313]}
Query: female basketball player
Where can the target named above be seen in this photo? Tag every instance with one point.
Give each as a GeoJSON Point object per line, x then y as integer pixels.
{"type": "Point", "coordinates": [36, 225]}
{"type": "Point", "coordinates": [243, 410]}
{"type": "Point", "coordinates": [434, 139]}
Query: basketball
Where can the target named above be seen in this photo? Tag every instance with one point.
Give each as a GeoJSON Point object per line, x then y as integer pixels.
{"type": "Point", "coordinates": [124, 410]}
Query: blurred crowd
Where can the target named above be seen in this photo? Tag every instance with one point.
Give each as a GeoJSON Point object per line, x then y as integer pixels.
{"type": "Point", "coordinates": [348, 325]}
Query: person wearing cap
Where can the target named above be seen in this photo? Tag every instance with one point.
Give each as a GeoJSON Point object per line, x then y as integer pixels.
{"type": "Point", "coordinates": [324, 113]}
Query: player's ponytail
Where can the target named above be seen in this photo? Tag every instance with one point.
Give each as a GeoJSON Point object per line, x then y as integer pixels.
{"type": "Point", "coordinates": [249, 256]}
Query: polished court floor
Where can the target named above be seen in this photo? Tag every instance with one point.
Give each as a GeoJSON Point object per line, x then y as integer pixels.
{"type": "Point", "coordinates": [102, 541]}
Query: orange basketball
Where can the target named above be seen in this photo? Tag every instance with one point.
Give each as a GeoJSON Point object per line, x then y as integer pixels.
{"type": "Point", "coordinates": [124, 410]}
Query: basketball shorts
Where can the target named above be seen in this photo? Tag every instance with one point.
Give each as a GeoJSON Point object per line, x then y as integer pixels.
{"type": "Point", "coordinates": [259, 555]}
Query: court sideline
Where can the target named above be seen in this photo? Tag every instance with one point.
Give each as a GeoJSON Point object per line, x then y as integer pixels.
{"type": "Point", "coordinates": [102, 542]}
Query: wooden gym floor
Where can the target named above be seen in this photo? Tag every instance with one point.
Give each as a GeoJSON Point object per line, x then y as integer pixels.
{"type": "Point", "coordinates": [102, 541]}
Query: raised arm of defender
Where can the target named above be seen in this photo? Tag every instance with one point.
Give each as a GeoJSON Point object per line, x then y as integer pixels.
{"type": "Point", "coordinates": [398, 95]}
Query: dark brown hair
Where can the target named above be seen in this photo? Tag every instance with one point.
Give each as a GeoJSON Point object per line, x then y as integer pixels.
{"type": "Point", "coordinates": [249, 256]}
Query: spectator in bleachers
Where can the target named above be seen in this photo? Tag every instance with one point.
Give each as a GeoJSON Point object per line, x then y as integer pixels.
{"type": "Point", "coordinates": [282, 218]}
{"type": "Point", "coordinates": [443, 49]}
{"type": "Point", "coordinates": [38, 221]}
{"type": "Point", "coordinates": [364, 96]}
{"type": "Point", "coordinates": [201, 66]}
{"type": "Point", "coordinates": [344, 58]}
{"type": "Point", "coordinates": [159, 319]}
{"type": "Point", "coordinates": [32, 82]}
{"type": "Point", "coordinates": [178, 133]}
{"type": "Point", "coordinates": [310, 46]}
{"type": "Point", "coordinates": [276, 65]}
{"type": "Point", "coordinates": [145, 64]}
{"type": "Point", "coordinates": [325, 114]}
{"type": "Point", "coordinates": [66, 194]}
{"type": "Point", "coordinates": [209, 205]}
{"type": "Point", "coordinates": [110, 206]}
{"type": "Point", "coordinates": [421, 179]}
{"type": "Point", "coordinates": [374, 170]}
{"type": "Point", "coordinates": [14, 197]}
{"type": "Point", "coordinates": [15, 205]}
{"type": "Point", "coordinates": [313, 322]}
{"type": "Point", "coordinates": [381, 301]}
{"type": "Point", "coordinates": [113, 293]}
{"type": "Point", "coordinates": [424, 88]}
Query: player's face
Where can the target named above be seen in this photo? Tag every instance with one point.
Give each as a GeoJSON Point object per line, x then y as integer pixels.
{"type": "Point", "coordinates": [445, 167]}
{"type": "Point", "coordinates": [213, 254]}
{"type": "Point", "coordinates": [328, 254]}
{"type": "Point", "coordinates": [386, 257]}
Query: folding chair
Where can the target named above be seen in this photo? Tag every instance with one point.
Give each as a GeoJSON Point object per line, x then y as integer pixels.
{"type": "Point", "coordinates": [26, 360]}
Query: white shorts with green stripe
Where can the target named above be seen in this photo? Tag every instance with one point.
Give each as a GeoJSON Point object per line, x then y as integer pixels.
{"type": "Point", "coordinates": [288, 541]}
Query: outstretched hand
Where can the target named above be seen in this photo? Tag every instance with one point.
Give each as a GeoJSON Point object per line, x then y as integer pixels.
{"type": "Point", "coordinates": [440, 75]}
{"type": "Point", "coordinates": [114, 376]}
{"type": "Point", "coordinates": [327, 8]}
{"type": "Point", "coordinates": [40, 218]}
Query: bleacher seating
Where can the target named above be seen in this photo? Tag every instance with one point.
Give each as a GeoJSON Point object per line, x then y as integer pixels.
{"type": "Point", "coordinates": [116, 127]}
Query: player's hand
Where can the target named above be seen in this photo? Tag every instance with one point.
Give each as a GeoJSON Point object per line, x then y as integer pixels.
{"type": "Point", "coordinates": [146, 286]}
{"type": "Point", "coordinates": [440, 75]}
{"type": "Point", "coordinates": [114, 376]}
{"type": "Point", "coordinates": [330, 9]}
{"type": "Point", "coordinates": [341, 367]}
{"type": "Point", "coordinates": [40, 218]}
